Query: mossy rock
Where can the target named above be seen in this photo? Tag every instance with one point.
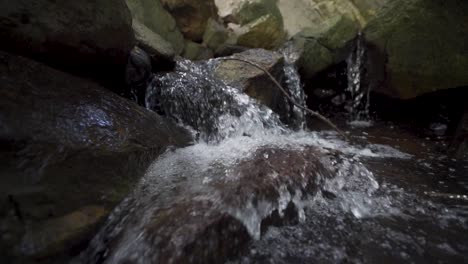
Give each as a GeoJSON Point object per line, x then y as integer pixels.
{"type": "Point", "coordinates": [324, 47]}
{"type": "Point", "coordinates": [421, 46]}
{"type": "Point", "coordinates": [152, 14]}
{"type": "Point", "coordinates": [195, 51]}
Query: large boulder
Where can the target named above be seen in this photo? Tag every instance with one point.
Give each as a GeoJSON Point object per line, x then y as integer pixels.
{"type": "Point", "coordinates": [301, 14]}
{"type": "Point", "coordinates": [255, 24]}
{"type": "Point", "coordinates": [152, 15]}
{"type": "Point", "coordinates": [206, 214]}
{"type": "Point", "coordinates": [418, 46]}
{"type": "Point", "coordinates": [326, 45]}
{"type": "Point", "coordinates": [254, 81]}
{"type": "Point", "coordinates": [92, 38]}
{"type": "Point", "coordinates": [71, 150]}
{"type": "Point", "coordinates": [191, 16]}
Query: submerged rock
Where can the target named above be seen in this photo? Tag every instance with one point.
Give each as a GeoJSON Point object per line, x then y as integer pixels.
{"type": "Point", "coordinates": [67, 144]}
{"type": "Point", "coordinates": [206, 210]}
{"type": "Point", "coordinates": [92, 38]}
{"type": "Point", "coordinates": [191, 16]}
{"type": "Point", "coordinates": [418, 46]}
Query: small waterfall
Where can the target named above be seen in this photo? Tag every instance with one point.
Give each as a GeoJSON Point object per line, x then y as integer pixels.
{"type": "Point", "coordinates": [358, 104]}
{"type": "Point", "coordinates": [195, 97]}
{"type": "Point", "coordinates": [294, 85]}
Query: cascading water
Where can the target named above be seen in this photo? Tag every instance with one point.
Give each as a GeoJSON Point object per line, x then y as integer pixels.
{"type": "Point", "coordinates": [294, 85]}
{"type": "Point", "coordinates": [358, 103]}
{"type": "Point", "coordinates": [244, 167]}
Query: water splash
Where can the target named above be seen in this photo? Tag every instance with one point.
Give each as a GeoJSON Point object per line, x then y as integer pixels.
{"type": "Point", "coordinates": [195, 97]}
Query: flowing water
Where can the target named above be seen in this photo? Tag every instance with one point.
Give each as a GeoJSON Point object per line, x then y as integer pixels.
{"type": "Point", "coordinates": [363, 202]}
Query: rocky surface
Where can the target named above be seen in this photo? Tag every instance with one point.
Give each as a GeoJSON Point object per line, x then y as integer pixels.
{"type": "Point", "coordinates": [326, 46]}
{"type": "Point", "coordinates": [253, 81]}
{"type": "Point", "coordinates": [255, 24]}
{"type": "Point", "coordinates": [418, 47]}
{"type": "Point", "coordinates": [191, 16]}
{"type": "Point", "coordinates": [154, 17]}
{"type": "Point", "coordinates": [91, 38]}
{"type": "Point", "coordinates": [71, 150]}
{"type": "Point", "coordinates": [211, 216]}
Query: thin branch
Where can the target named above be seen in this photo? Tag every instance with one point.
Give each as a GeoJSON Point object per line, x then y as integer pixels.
{"type": "Point", "coordinates": [311, 112]}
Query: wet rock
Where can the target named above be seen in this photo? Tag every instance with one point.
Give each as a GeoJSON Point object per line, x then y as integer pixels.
{"type": "Point", "coordinates": [67, 143]}
{"type": "Point", "coordinates": [209, 217]}
{"type": "Point", "coordinates": [325, 46]}
{"type": "Point", "coordinates": [154, 17]}
{"type": "Point", "coordinates": [191, 16]}
{"type": "Point", "coordinates": [195, 51]}
{"type": "Point", "coordinates": [418, 46]}
{"type": "Point", "coordinates": [90, 38]}
{"type": "Point", "coordinates": [460, 143]}
{"type": "Point", "coordinates": [253, 81]}
{"type": "Point", "coordinates": [137, 74]}
{"type": "Point", "coordinates": [256, 24]}
{"type": "Point", "coordinates": [62, 233]}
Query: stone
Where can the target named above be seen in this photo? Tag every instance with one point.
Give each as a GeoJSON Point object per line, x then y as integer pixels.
{"type": "Point", "coordinates": [215, 35]}
{"type": "Point", "coordinates": [209, 221]}
{"type": "Point", "coordinates": [154, 17]}
{"type": "Point", "coordinates": [62, 233]}
{"type": "Point", "coordinates": [89, 38]}
{"type": "Point", "coordinates": [67, 143]}
{"type": "Point", "coordinates": [195, 51]}
{"type": "Point", "coordinates": [417, 47]}
{"type": "Point", "coordinates": [256, 23]}
{"type": "Point", "coordinates": [151, 42]}
{"type": "Point", "coordinates": [321, 48]}
{"type": "Point", "coordinates": [191, 16]}
{"type": "Point", "coordinates": [265, 32]}
{"type": "Point", "coordinates": [253, 81]}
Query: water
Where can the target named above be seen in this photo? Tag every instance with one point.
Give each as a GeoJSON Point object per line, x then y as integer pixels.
{"type": "Point", "coordinates": [251, 190]}
{"type": "Point", "coordinates": [358, 103]}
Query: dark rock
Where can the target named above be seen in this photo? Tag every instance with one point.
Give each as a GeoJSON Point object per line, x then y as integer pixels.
{"type": "Point", "coordinates": [137, 74]}
{"type": "Point", "coordinates": [89, 38]}
{"type": "Point", "coordinates": [195, 220]}
{"type": "Point", "coordinates": [66, 144]}
{"type": "Point", "coordinates": [191, 16]}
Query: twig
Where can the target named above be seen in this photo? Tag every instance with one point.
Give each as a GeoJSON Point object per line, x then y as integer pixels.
{"type": "Point", "coordinates": [311, 112]}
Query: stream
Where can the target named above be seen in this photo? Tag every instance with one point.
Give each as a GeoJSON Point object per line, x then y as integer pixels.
{"type": "Point", "coordinates": [386, 197]}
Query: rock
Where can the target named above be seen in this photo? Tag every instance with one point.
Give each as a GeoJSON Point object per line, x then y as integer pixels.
{"type": "Point", "coordinates": [257, 23]}
{"type": "Point", "coordinates": [67, 143]}
{"type": "Point", "coordinates": [195, 51]}
{"type": "Point", "coordinates": [89, 38]}
{"type": "Point", "coordinates": [211, 213]}
{"type": "Point", "coordinates": [418, 46]}
{"type": "Point", "coordinates": [137, 74]}
{"type": "Point", "coordinates": [323, 47]}
{"type": "Point", "coordinates": [253, 81]}
{"type": "Point", "coordinates": [264, 32]}
{"type": "Point", "coordinates": [460, 143]}
{"type": "Point", "coordinates": [59, 234]}
{"type": "Point", "coordinates": [154, 17]}
{"type": "Point", "coordinates": [155, 45]}
{"type": "Point", "coordinates": [191, 16]}
{"type": "Point", "coordinates": [302, 14]}
{"type": "Point", "coordinates": [215, 35]}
